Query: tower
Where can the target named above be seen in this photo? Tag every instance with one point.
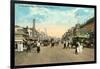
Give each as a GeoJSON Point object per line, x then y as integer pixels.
{"type": "Point", "coordinates": [33, 28]}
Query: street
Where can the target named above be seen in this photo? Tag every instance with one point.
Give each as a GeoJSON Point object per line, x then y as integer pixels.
{"type": "Point", "coordinates": [55, 54]}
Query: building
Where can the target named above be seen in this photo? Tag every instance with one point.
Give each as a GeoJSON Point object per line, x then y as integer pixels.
{"type": "Point", "coordinates": [20, 36]}
{"type": "Point", "coordinates": [86, 30]}
{"type": "Point", "coordinates": [89, 26]}
{"type": "Point", "coordinates": [26, 34]}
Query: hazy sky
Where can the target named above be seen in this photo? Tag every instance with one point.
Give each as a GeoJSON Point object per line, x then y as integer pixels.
{"type": "Point", "coordinates": [56, 20]}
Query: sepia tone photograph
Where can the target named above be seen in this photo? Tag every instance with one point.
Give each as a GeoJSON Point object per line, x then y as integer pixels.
{"type": "Point", "coordinates": [52, 34]}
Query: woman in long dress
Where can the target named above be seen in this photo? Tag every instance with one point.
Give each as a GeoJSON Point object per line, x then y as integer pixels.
{"type": "Point", "coordinates": [21, 47]}
{"type": "Point", "coordinates": [79, 48]}
{"type": "Point", "coordinates": [38, 47]}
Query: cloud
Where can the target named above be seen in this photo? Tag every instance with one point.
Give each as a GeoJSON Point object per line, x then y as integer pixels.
{"type": "Point", "coordinates": [54, 18]}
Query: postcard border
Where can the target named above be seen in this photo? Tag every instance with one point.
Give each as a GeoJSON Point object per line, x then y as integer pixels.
{"type": "Point", "coordinates": [12, 20]}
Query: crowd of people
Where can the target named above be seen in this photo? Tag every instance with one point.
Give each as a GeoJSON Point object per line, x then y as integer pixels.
{"type": "Point", "coordinates": [27, 46]}
{"type": "Point", "coordinates": [78, 45]}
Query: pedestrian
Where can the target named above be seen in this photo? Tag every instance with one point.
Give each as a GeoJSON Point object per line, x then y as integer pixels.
{"type": "Point", "coordinates": [28, 47]}
{"type": "Point", "coordinates": [52, 44]}
{"type": "Point", "coordinates": [18, 47]}
{"type": "Point", "coordinates": [38, 47]}
{"type": "Point", "coordinates": [76, 48]}
{"type": "Point", "coordinates": [68, 44]}
{"type": "Point", "coordinates": [21, 47]}
{"type": "Point", "coordinates": [64, 44]}
{"type": "Point", "coordinates": [80, 47]}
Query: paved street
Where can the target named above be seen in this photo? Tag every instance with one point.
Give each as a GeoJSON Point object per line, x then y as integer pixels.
{"type": "Point", "coordinates": [53, 55]}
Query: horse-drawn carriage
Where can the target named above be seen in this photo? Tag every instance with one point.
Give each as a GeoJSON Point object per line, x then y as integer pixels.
{"type": "Point", "coordinates": [45, 42]}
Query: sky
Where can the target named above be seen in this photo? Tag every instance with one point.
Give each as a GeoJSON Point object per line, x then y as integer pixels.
{"type": "Point", "coordinates": [55, 20]}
